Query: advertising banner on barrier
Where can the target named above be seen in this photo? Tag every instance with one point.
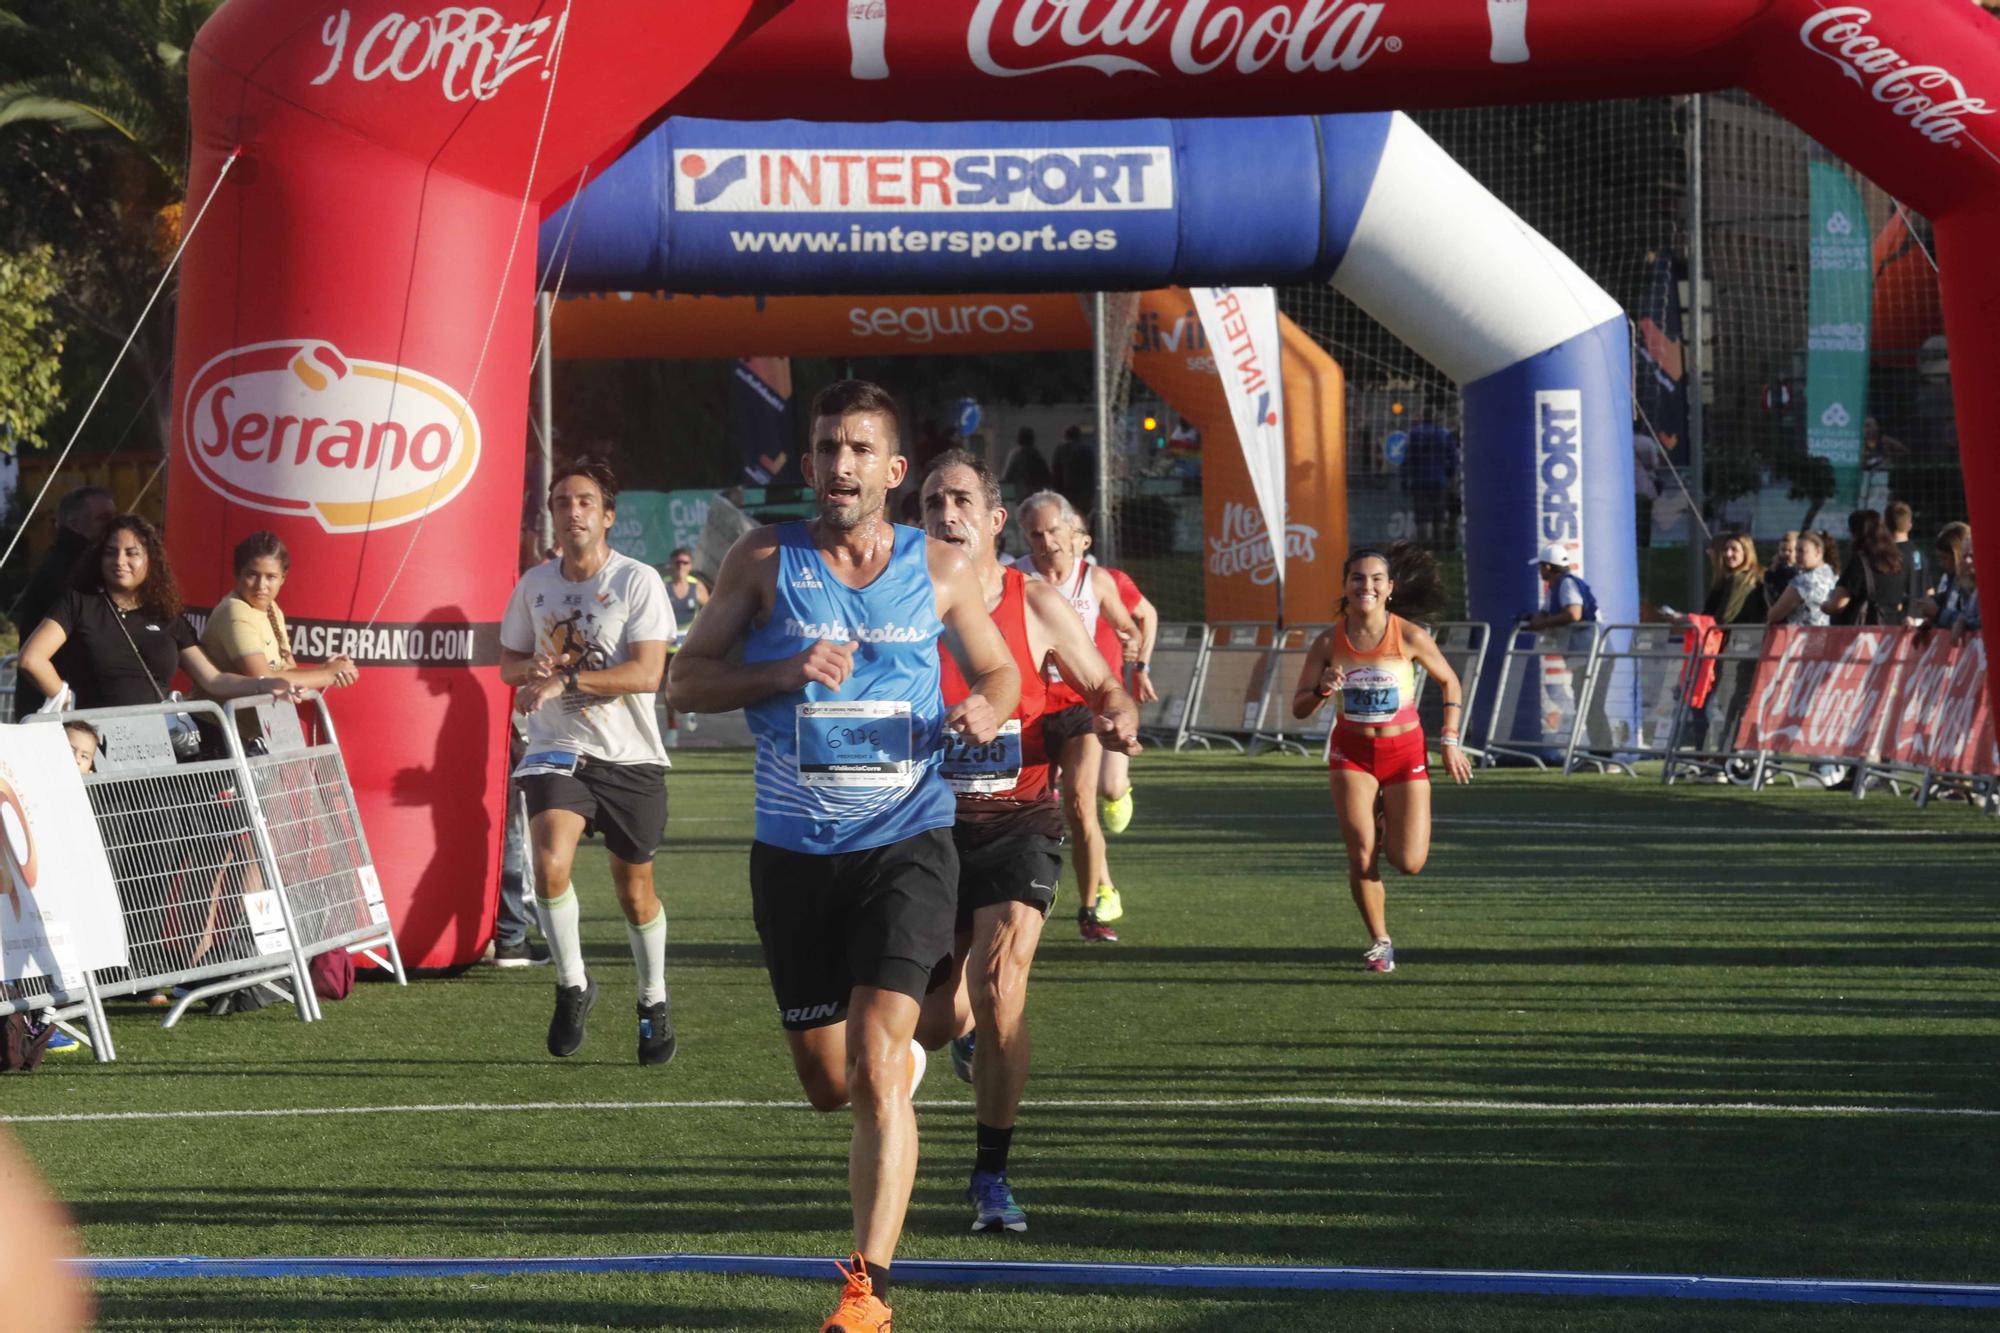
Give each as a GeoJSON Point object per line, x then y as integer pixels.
{"type": "Point", "coordinates": [1942, 719]}
{"type": "Point", "coordinates": [1823, 691]}
{"type": "Point", "coordinates": [61, 911]}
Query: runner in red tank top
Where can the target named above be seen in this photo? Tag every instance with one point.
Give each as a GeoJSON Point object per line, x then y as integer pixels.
{"type": "Point", "coordinates": [1049, 523]}
{"type": "Point", "coordinates": [1009, 830]}
{"type": "Point", "coordinates": [1376, 759]}
{"type": "Point", "coordinates": [1132, 663]}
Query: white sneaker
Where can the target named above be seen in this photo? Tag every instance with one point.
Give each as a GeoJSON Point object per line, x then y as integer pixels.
{"type": "Point", "coordinates": [1381, 957]}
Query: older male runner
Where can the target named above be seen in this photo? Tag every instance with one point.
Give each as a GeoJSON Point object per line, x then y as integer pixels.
{"type": "Point", "coordinates": [1114, 773]}
{"type": "Point", "coordinates": [1047, 521]}
{"type": "Point", "coordinates": [1009, 830]}
{"type": "Point", "coordinates": [853, 874]}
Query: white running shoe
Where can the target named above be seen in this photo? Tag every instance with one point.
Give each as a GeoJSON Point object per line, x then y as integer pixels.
{"type": "Point", "coordinates": [1381, 957]}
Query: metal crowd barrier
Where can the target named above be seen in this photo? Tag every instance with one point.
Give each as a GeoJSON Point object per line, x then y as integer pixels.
{"type": "Point", "coordinates": [1537, 697]}
{"type": "Point", "coordinates": [9, 673]}
{"type": "Point", "coordinates": [1705, 746]}
{"type": "Point", "coordinates": [1228, 704]}
{"type": "Point", "coordinates": [306, 804]}
{"type": "Point", "coordinates": [1278, 728]}
{"type": "Point", "coordinates": [232, 869]}
{"type": "Point", "coordinates": [1179, 649]}
{"type": "Point", "coordinates": [1463, 643]}
{"type": "Point", "coordinates": [1661, 668]}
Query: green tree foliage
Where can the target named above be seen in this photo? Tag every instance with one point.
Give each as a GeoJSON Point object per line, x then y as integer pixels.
{"type": "Point", "coordinates": [93, 165]}
{"type": "Point", "coordinates": [31, 346]}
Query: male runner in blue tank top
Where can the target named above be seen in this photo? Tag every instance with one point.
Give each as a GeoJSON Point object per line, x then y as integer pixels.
{"type": "Point", "coordinates": [853, 875]}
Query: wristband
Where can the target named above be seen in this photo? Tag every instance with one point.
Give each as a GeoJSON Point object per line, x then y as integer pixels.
{"type": "Point", "coordinates": [1138, 666]}
{"type": "Point", "coordinates": [1448, 741]}
{"type": "Point", "coordinates": [569, 680]}
{"type": "Point", "coordinates": [1453, 703]}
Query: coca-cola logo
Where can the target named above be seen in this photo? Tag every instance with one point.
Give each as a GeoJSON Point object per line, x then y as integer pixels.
{"type": "Point", "coordinates": [1011, 38]}
{"type": "Point", "coordinates": [1930, 97]}
{"type": "Point", "coordinates": [298, 427]}
{"type": "Point", "coordinates": [1243, 547]}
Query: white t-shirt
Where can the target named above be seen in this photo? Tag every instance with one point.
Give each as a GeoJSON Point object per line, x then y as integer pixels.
{"type": "Point", "coordinates": [592, 626]}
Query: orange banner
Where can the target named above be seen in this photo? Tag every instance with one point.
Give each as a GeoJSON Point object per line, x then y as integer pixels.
{"type": "Point", "coordinates": [1170, 355]}
{"type": "Point", "coordinates": [647, 324]}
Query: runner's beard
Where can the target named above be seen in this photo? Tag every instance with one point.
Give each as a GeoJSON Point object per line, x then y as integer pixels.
{"type": "Point", "coordinates": [848, 518]}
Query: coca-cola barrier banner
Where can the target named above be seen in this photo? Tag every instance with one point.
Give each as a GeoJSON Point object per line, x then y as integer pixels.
{"type": "Point", "coordinates": [1884, 694]}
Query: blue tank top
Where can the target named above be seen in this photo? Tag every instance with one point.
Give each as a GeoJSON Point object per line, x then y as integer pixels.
{"type": "Point", "coordinates": [847, 770]}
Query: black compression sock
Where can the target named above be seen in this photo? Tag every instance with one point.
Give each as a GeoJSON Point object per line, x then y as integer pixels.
{"type": "Point", "coordinates": [993, 1145]}
{"type": "Point", "coordinates": [878, 1278]}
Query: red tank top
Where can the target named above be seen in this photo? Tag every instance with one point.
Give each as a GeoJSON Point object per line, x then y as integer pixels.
{"type": "Point", "coordinates": [1011, 617]}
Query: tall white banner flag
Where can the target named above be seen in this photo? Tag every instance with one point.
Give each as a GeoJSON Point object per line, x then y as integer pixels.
{"type": "Point", "coordinates": [58, 907]}
{"type": "Point", "coordinates": [1241, 324]}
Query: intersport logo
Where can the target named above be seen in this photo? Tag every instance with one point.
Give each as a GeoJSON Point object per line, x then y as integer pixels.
{"type": "Point", "coordinates": [1011, 38]}
{"type": "Point", "coordinates": [298, 427]}
{"type": "Point", "coordinates": [1930, 97]}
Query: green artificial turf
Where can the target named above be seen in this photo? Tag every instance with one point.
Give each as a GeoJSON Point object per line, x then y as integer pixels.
{"type": "Point", "coordinates": [1575, 946]}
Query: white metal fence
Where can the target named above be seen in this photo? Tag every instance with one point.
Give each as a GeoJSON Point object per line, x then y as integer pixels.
{"type": "Point", "coordinates": [10, 667]}
{"type": "Point", "coordinates": [233, 867]}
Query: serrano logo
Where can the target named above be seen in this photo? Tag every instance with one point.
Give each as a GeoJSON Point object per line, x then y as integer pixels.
{"type": "Point", "coordinates": [297, 427]}
{"type": "Point", "coordinates": [17, 848]}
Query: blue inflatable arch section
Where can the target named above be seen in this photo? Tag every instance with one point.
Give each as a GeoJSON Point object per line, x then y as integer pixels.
{"type": "Point", "coordinates": [1368, 203]}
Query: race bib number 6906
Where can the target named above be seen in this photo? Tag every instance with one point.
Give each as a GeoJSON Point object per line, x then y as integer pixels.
{"type": "Point", "coordinates": [861, 744]}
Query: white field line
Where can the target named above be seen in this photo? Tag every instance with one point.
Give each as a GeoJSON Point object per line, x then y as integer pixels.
{"type": "Point", "coordinates": [1526, 1107]}
{"type": "Point", "coordinates": [1445, 823]}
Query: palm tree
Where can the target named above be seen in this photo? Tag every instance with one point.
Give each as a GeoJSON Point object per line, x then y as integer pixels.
{"type": "Point", "coordinates": [93, 160]}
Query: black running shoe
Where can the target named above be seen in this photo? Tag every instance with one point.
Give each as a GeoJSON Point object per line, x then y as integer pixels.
{"type": "Point", "coordinates": [573, 1006]}
{"type": "Point", "coordinates": [656, 1033]}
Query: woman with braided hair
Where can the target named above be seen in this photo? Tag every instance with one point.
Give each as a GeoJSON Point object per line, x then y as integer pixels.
{"type": "Point", "coordinates": [1366, 663]}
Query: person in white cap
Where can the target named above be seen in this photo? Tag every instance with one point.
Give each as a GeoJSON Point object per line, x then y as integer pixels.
{"type": "Point", "coordinates": [1567, 599]}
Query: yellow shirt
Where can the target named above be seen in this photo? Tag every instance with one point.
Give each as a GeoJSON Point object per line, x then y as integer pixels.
{"type": "Point", "coordinates": [237, 629]}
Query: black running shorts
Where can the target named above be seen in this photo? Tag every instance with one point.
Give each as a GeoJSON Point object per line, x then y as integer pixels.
{"type": "Point", "coordinates": [627, 803]}
{"type": "Point", "coordinates": [1012, 868]}
{"type": "Point", "coordinates": [880, 917]}
{"type": "Point", "coordinates": [1060, 727]}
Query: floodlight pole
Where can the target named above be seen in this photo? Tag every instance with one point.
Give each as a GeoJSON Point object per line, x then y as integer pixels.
{"type": "Point", "coordinates": [1107, 535]}
{"type": "Point", "coordinates": [1697, 488]}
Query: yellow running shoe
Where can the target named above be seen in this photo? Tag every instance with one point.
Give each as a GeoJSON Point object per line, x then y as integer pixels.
{"type": "Point", "coordinates": [1108, 906]}
{"type": "Point", "coordinates": [1116, 816]}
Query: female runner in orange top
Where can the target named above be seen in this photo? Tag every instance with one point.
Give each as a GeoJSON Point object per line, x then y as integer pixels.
{"type": "Point", "coordinates": [1367, 664]}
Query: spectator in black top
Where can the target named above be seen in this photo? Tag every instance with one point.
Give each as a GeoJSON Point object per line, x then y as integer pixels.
{"type": "Point", "coordinates": [121, 620]}
{"type": "Point", "coordinates": [1954, 540]}
{"type": "Point", "coordinates": [1923, 580]}
{"type": "Point", "coordinates": [1784, 567]}
{"type": "Point", "coordinates": [1874, 589]}
{"type": "Point", "coordinates": [1026, 469]}
{"type": "Point", "coordinates": [80, 520]}
{"type": "Point", "coordinates": [1076, 471]}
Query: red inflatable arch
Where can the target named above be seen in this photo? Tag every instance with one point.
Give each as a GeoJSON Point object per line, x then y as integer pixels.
{"type": "Point", "coordinates": [355, 321]}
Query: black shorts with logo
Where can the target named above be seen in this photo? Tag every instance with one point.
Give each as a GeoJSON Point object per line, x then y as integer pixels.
{"type": "Point", "coordinates": [878, 917]}
{"type": "Point", "coordinates": [627, 803]}
{"type": "Point", "coordinates": [1007, 853]}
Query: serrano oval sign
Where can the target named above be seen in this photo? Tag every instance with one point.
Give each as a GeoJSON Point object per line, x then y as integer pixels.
{"type": "Point", "coordinates": [298, 427]}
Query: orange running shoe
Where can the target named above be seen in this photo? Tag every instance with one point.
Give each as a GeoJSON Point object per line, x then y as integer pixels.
{"type": "Point", "coordinates": [859, 1311]}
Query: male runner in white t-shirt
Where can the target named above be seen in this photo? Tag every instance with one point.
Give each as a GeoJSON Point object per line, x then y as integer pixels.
{"type": "Point", "coordinates": [584, 643]}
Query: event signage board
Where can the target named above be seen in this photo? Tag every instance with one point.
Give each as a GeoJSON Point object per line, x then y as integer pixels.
{"type": "Point", "coordinates": [1241, 324]}
{"type": "Point", "coordinates": [1942, 719]}
{"type": "Point", "coordinates": [60, 915]}
{"type": "Point", "coordinates": [1822, 691]}
{"type": "Point", "coordinates": [1837, 312]}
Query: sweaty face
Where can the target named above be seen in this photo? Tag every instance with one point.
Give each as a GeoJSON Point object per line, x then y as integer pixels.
{"type": "Point", "coordinates": [259, 582]}
{"type": "Point", "coordinates": [1050, 538]}
{"type": "Point", "coordinates": [125, 563]}
{"type": "Point", "coordinates": [955, 511]}
{"type": "Point", "coordinates": [1367, 584]}
{"type": "Point", "coordinates": [581, 517]}
{"type": "Point", "coordinates": [852, 466]}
